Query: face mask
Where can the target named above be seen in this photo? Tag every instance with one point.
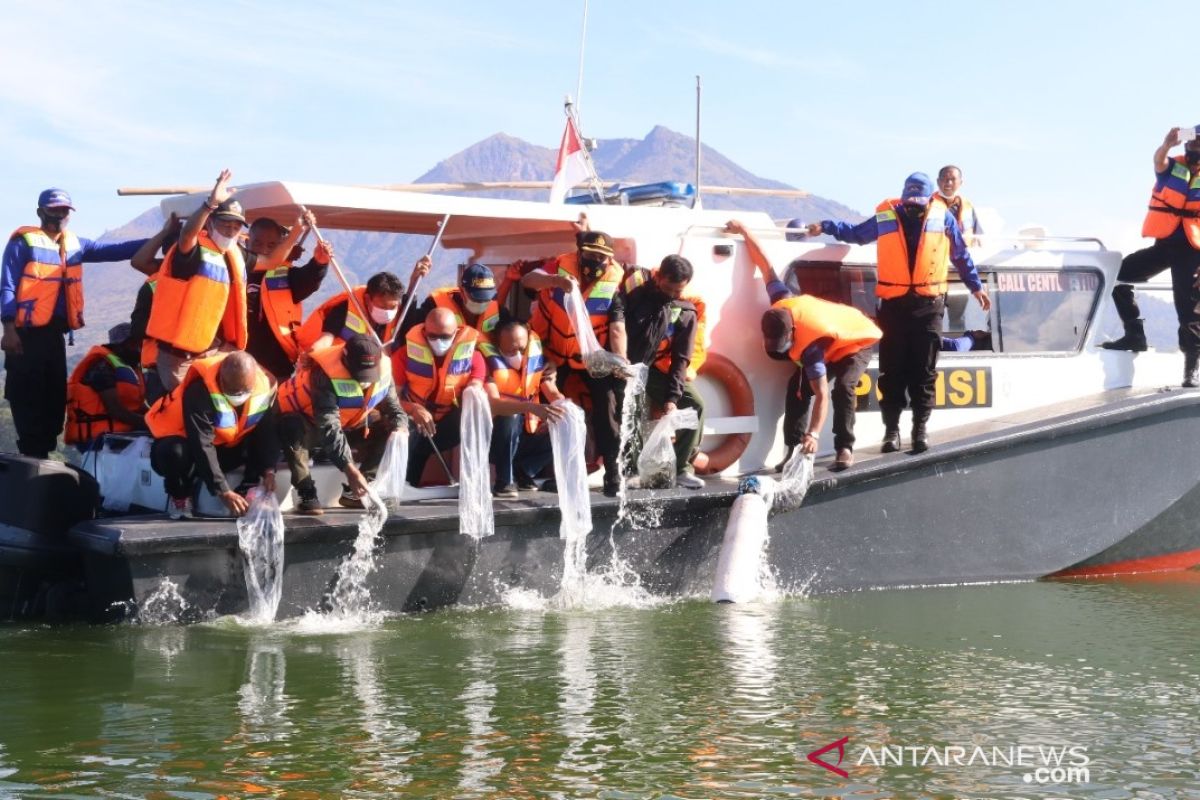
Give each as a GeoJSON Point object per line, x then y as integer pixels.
{"type": "Point", "coordinates": [591, 271]}
{"type": "Point", "coordinates": [515, 360]}
{"type": "Point", "coordinates": [222, 242]}
{"type": "Point", "coordinates": [1192, 156]}
{"type": "Point", "coordinates": [476, 307]}
{"type": "Point", "coordinates": [53, 224]}
{"type": "Point", "coordinates": [440, 346]}
{"type": "Point", "coordinates": [382, 316]}
{"type": "Point", "coordinates": [913, 210]}
{"type": "Point", "coordinates": [778, 356]}
{"type": "Point", "coordinates": [364, 385]}
{"type": "Point", "coordinates": [237, 400]}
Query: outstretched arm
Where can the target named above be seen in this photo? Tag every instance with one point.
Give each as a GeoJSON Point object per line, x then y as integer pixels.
{"type": "Point", "coordinates": [1161, 159]}
{"type": "Point", "coordinates": [755, 251]}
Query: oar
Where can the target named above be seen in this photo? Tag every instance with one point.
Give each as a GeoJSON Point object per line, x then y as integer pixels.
{"type": "Point", "coordinates": [412, 290]}
{"type": "Point", "coordinates": [362, 312]}
{"type": "Point", "coordinates": [437, 452]}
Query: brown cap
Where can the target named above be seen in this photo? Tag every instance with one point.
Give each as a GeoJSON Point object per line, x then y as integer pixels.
{"type": "Point", "coordinates": [777, 328]}
{"type": "Point", "coordinates": [230, 209]}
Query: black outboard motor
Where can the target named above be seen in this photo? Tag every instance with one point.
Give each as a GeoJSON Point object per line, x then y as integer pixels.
{"type": "Point", "coordinates": [40, 575]}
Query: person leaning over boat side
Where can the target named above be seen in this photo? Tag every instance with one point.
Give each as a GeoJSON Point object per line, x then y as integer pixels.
{"type": "Point", "coordinates": [518, 378]}
{"type": "Point", "coordinates": [662, 324]}
{"type": "Point", "coordinates": [473, 301]}
{"type": "Point", "coordinates": [220, 417]}
{"type": "Point", "coordinates": [338, 319]}
{"type": "Point", "coordinates": [146, 260]}
{"type": "Point", "coordinates": [918, 238]}
{"type": "Point", "coordinates": [824, 340]}
{"type": "Point", "coordinates": [344, 398]}
{"type": "Point", "coordinates": [949, 182]}
{"type": "Point", "coordinates": [1173, 221]}
{"type": "Point", "coordinates": [41, 298]}
{"type": "Point", "coordinates": [106, 393]}
{"type": "Point", "coordinates": [439, 361]}
{"type": "Point", "coordinates": [275, 293]}
{"type": "Point", "coordinates": [597, 274]}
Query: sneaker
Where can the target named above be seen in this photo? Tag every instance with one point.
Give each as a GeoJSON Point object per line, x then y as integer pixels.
{"type": "Point", "coordinates": [526, 483]}
{"type": "Point", "coordinates": [686, 480]}
{"type": "Point", "coordinates": [310, 507]}
{"type": "Point", "coordinates": [350, 501]}
{"type": "Point", "coordinates": [506, 491]}
{"type": "Point", "coordinates": [550, 485]}
{"type": "Point", "coordinates": [180, 508]}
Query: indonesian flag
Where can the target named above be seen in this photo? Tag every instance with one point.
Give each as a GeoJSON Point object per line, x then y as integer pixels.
{"type": "Point", "coordinates": [572, 167]}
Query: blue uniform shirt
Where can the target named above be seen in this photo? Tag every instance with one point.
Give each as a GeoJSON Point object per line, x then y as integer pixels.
{"type": "Point", "coordinates": [16, 256]}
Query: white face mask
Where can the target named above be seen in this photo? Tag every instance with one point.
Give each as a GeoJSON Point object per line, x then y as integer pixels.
{"type": "Point", "coordinates": [237, 400]}
{"type": "Point", "coordinates": [382, 316]}
{"type": "Point", "coordinates": [440, 346]}
{"type": "Point", "coordinates": [476, 307]}
{"type": "Point", "coordinates": [223, 243]}
{"type": "Point", "coordinates": [515, 360]}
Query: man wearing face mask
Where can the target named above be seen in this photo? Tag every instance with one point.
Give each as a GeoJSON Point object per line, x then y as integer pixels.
{"type": "Point", "coordinates": [41, 298]}
{"type": "Point", "coordinates": [949, 183]}
{"type": "Point", "coordinates": [1173, 221]}
{"type": "Point", "coordinates": [343, 398]}
{"type": "Point", "coordinates": [473, 301]}
{"type": "Point", "coordinates": [830, 344]}
{"type": "Point", "coordinates": [520, 385]}
{"type": "Point", "coordinates": [664, 324]}
{"type": "Point", "coordinates": [338, 319]}
{"type": "Point", "coordinates": [918, 238]}
{"type": "Point", "coordinates": [105, 392]}
{"type": "Point", "coordinates": [199, 302]}
{"type": "Point", "coordinates": [439, 361]}
{"type": "Point", "coordinates": [597, 274]}
{"type": "Point", "coordinates": [219, 418]}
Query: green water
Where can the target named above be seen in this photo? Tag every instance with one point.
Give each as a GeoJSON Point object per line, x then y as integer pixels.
{"type": "Point", "coordinates": [685, 699]}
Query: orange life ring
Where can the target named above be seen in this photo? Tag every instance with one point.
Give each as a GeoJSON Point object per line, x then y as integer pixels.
{"type": "Point", "coordinates": [741, 402]}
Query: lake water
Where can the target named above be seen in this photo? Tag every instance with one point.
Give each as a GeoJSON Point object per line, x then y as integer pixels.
{"type": "Point", "coordinates": [676, 699]}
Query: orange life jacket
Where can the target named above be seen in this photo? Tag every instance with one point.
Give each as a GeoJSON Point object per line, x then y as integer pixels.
{"type": "Point", "coordinates": [928, 275]}
{"type": "Point", "coordinates": [87, 418]}
{"type": "Point", "coordinates": [189, 313]}
{"type": "Point", "coordinates": [662, 359]}
{"type": "Point", "coordinates": [165, 417]}
{"type": "Point", "coordinates": [51, 265]}
{"type": "Point", "coordinates": [355, 324]}
{"type": "Point", "coordinates": [452, 298]}
{"type": "Point", "coordinates": [354, 403]}
{"type": "Point", "coordinates": [517, 384]}
{"type": "Point", "coordinates": [964, 212]}
{"type": "Point", "coordinates": [1175, 200]}
{"type": "Point", "coordinates": [282, 313]}
{"type": "Point", "coordinates": [813, 319]}
{"type": "Point", "coordinates": [550, 320]}
{"type": "Point", "coordinates": [438, 386]}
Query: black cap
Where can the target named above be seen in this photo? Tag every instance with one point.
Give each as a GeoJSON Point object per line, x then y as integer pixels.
{"type": "Point", "coordinates": [596, 242]}
{"type": "Point", "coordinates": [362, 356]}
{"type": "Point", "coordinates": [776, 330]}
{"type": "Point", "coordinates": [230, 209]}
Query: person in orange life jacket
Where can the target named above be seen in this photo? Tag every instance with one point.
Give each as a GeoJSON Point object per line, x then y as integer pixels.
{"type": "Point", "coordinates": [345, 400]}
{"type": "Point", "coordinates": [439, 361]}
{"type": "Point", "coordinates": [218, 419]}
{"type": "Point", "coordinates": [147, 260]}
{"type": "Point", "coordinates": [597, 274]}
{"type": "Point", "coordinates": [1173, 220]}
{"type": "Point", "coordinates": [200, 294]}
{"type": "Point", "coordinates": [520, 385]}
{"type": "Point", "coordinates": [662, 328]}
{"type": "Point", "coordinates": [338, 319]}
{"type": "Point", "coordinates": [276, 350]}
{"type": "Point", "coordinates": [105, 392]}
{"type": "Point", "coordinates": [473, 300]}
{"type": "Point", "coordinates": [949, 182]}
{"type": "Point", "coordinates": [849, 337]}
{"type": "Point", "coordinates": [41, 298]}
{"type": "Point", "coordinates": [918, 239]}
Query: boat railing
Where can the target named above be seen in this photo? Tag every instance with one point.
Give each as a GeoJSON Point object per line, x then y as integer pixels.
{"type": "Point", "coordinates": [1020, 240]}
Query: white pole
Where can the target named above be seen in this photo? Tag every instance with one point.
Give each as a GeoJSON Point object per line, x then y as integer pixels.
{"type": "Point", "coordinates": [696, 204]}
{"type": "Point", "coordinates": [582, 42]}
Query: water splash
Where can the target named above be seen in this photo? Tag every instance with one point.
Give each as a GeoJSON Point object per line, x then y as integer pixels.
{"type": "Point", "coordinates": [163, 606]}
{"type": "Point", "coordinates": [476, 517]}
{"type": "Point", "coordinates": [260, 540]}
{"type": "Point", "coordinates": [631, 419]}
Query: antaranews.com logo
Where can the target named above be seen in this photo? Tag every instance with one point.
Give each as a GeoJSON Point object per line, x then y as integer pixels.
{"type": "Point", "coordinates": [1041, 764]}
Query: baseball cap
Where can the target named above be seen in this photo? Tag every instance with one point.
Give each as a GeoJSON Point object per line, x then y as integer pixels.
{"type": "Point", "coordinates": [776, 330]}
{"type": "Point", "coordinates": [917, 189]}
{"type": "Point", "coordinates": [55, 198]}
{"type": "Point", "coordinates": [478, 282]}
{"type": "Point", "coordinates": [230, 209]}
{"type": "Point", "coordinates": [361, 356]}
{"type": "Point", "coordinates": [596, 242]}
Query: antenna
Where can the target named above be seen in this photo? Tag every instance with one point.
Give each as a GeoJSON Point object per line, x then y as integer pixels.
{"type": "Point", "coordinates": [582, 42]}
{"type": "Point", "coordinates": [696, 202]}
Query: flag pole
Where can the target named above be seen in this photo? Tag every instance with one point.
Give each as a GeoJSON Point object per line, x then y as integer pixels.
{"type": "Point", "coordinates": [597, 186]}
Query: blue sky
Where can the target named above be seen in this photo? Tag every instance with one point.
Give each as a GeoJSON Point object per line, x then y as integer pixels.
{"type": "Point", "coordinates": [1052, 109]}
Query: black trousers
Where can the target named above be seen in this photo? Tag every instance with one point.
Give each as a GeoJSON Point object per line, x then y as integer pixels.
{"type": "Point", "coordinates": [172, 458]}
{"type": "Point", "coordinates": [35, 387]}
{"type": "Point", "coordinates": [687, 441]}
{"type": "Point", "coordinates": [447, 437]}
{"type": "Point", "coordinates": [514, 448]}
{"type": "Point", "coordinates": [298, 434]}
{"type": "Point", "coordinates": [843, 377]}
{"type": "Point", "coordinates": [604, 422]}
{"type": "Point", "coordinates": [908, 355]}
{"type": "Point", "coordinates": [1176, 254]}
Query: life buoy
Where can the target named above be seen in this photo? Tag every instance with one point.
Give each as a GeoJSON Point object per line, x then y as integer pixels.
{"type": "Point", "coordinates": [741, 403]}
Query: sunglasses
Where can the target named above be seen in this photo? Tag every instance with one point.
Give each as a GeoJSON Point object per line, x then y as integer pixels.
{"type": "Point", "coordinates": [439, 337]}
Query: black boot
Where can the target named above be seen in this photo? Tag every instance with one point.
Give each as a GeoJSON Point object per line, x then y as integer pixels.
{"type": "Point", "coordinates": [1134, 339]}
{"type": "Point", "coordinates": [920, 438]}
{"type": "Point", "coordinates": [1191, 370]}
{"type": "Point", "coordinates": [891, 440]}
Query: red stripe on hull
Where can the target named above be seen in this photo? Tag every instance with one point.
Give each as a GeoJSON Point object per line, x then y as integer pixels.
{"type": "Point", "coordinates": [1169, 562]}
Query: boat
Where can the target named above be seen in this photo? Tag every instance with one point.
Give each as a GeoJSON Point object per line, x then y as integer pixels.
{"type": "Point", "coordinates": [1051, 456]}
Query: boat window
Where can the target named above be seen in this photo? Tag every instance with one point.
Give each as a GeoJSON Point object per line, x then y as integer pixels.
{"type": "Point", "coordinates": [966, 326]}
{"type": "Point", "coordinates": [851, 284]}
{"type": "Point", "coordinates": [1043, 311]}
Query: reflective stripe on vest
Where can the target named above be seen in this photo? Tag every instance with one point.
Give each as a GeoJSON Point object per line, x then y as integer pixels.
{"type": "Point", "coordinates": [354, 405]}
{"type": "Point", "coordinates": [87, 418]}
{"type": "Point", "coordinates": [1175, 201]}
{"type": "Point", "coordinates": [438, 387]}
{"type": "Point", "coordinates": [927, 276]}
{"type": "Point", "coordinates": [524, 384]}
{"type": "Point", "coordinates": [165, 417]}
{"type": "Point", "coordinates": [355, 325]}
{"type": "Point", "coordinates": [52, 265]}
{"type": "Point", "coordinates": [550, 317]}
{"type": "Point", "coordinates": [189, 313]}
{"type": "Point", "coordinates": [640, 275]}
{"type": "Point", "coordinates": [848, 329]}
{"type": "Point", "coordinates": [452, 299]}
{"type": "Point", "coordinates": [282, 313]}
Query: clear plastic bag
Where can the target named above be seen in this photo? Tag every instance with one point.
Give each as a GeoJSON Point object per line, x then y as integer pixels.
{"type": "Point", "coordinates": [598, 361]}
{"type": "Point", "coordinates": [260, 538]}
{"type": "Point", "coordinates": [121, 473]}
{"type": "Point", "coordinates": [393, 467]}
{"type": "Point", "coordinates": [793, 483]}
{"type": "Point", "coordinates": [569, 439]}
{"type": "Point", "coordinates": [475, 515]}
{"type": "Point", "coordinates": [656, 462]}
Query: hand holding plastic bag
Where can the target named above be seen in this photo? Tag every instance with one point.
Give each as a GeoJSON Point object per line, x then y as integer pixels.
{"type": "Point", "coordinates": [599, 362]}
{"type": "Point", "coordinates": [793, 484]}
{"type": "Point", "coordinates": [656, 463]}
{"type": "Point", "coordinates": [121, 473]}
{"type": "Point", "coordinates": [260, 539]}
{"type": "Point", "coordinates": [393, 468]}
{"type": "Point", "coordinates": [475, 515]}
